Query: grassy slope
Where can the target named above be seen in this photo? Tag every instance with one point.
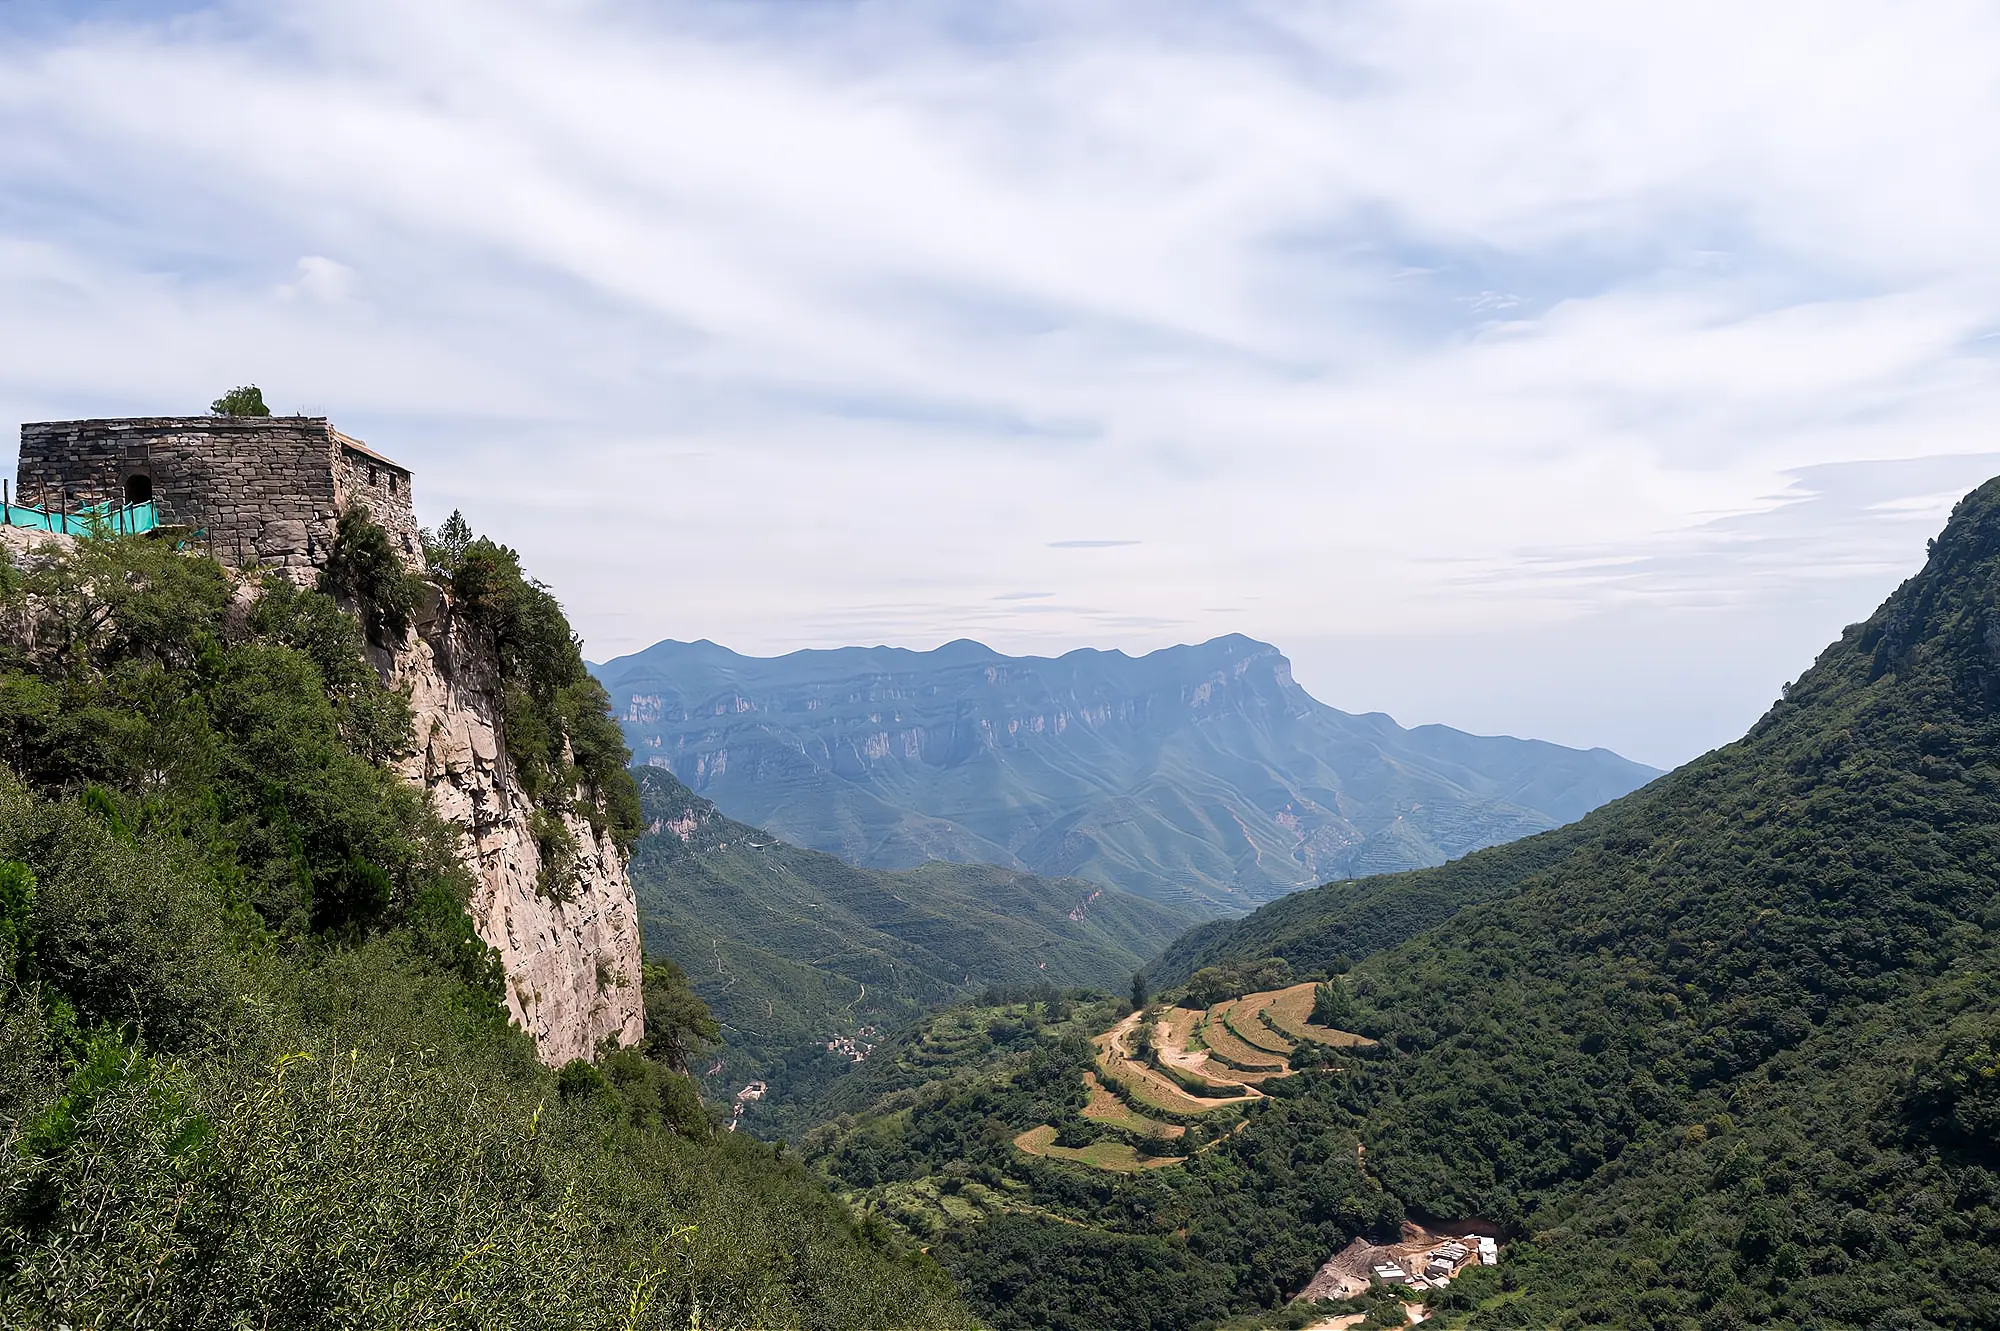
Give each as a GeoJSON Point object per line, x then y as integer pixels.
{"type": "Point", "coordinates": [781, 941]}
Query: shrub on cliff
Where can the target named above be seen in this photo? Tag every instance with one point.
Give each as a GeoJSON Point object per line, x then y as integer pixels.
{"type": "Point", "coordinates": [557, 717]}
{"type": "Point", "coordinates": [364, 568]}
{"type": "Point", "coordinates": [253, 1070]}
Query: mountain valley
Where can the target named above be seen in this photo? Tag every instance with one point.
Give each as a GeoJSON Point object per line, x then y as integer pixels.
{"type": "Point", "coordinates": [1723, 1053]}
{"type": "Point", "coordinates": [806, 960]}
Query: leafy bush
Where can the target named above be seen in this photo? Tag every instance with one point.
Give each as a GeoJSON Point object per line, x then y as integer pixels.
{"type": "Point", "coordinates": [363, 567]}
{"type": "Point", "coordinates": [556, 716]}
{"type": "Point", "coordinates": [247, 400]}
{"type": "Point", "coordinates": [556, 855]}
{"type": "Point", "coordinates": [17, 901]}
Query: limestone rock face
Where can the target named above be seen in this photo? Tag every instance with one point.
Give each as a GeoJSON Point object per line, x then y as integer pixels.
{"type": "Point", "coordinates": [27, 547]}
{"type": "Point", "coordinates": [572, 963]}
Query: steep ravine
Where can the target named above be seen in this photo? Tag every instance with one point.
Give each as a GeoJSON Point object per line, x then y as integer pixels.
{"type": "Point", "coordinates": [572, 964]}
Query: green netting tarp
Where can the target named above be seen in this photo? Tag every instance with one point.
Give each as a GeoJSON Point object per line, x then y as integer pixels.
{"type": "Point", "coordinates": [106, 519]}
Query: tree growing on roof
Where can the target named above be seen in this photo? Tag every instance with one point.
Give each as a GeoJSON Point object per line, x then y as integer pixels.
{"type": "Point", "coordinates": [246, 400]}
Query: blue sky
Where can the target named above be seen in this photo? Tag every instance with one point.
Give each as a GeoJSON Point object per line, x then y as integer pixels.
{"type": "Point", "coordinates": [1562, 369]}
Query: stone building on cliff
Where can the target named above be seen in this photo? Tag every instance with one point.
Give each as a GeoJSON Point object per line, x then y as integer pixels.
{"type": "Point", "coordinates": [255, 489]}
{"type": "Point", "coordinates": [268, 491]}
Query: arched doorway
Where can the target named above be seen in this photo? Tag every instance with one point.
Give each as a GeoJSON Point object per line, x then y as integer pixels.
{"type": "Point", "coordinates": [138, 488]}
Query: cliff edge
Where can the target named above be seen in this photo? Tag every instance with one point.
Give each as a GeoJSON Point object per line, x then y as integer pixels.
{"type": "Point", "coordinates": [571, 950]}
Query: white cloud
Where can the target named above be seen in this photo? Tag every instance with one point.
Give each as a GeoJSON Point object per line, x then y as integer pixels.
{"type": "Point", "coordinates": [1370, 325]}
{"type": "Point", "coordinates": [321, 280]}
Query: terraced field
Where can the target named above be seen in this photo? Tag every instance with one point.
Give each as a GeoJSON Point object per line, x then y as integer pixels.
{"type": "Point", "coordinates": [1117, 1157]}
{"type": "Point", "coordinates": [1225, 1046]}
{"type": "Point", "coordinates": [1290, 1013]}
{"type": "Point", "coordinates": [1232, 1048]}
{"type": "Point", "coordinates": [1240, 1017]}
{"type": "Point", "coordinates": [1104, 1107]}
{"type": "Point", "coordinates": [1146, 1084]}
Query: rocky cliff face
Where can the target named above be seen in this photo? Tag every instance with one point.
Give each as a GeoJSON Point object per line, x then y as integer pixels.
{"type": "Point", "coordinates": [572, 958]}
{"type": "Point", "coordinates": [572, 963]}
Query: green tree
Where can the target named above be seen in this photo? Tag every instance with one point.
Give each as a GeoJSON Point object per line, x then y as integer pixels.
{"type": "Point", "coordinates": [678, 1024]}
{"type": "Point", "coordinates": [1142, 991]}
{"type": "Point", "coordinates": [248, 400]}
{"type": "Point", "coordinates": [1333, 1005]}
{"type": "Point", "coordinates": [363, 567]}
{"type": "Point", "coordinates": [445, 547]}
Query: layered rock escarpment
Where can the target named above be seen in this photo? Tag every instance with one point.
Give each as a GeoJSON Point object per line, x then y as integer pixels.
{"type": "Point", "coordinates": [1202, 775]}
{"type": "Point", "coordinates": [571, 950]}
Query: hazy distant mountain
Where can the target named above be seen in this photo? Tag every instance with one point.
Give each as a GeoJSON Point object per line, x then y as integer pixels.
{"type": "Point", "coordinates": [1198, 774]}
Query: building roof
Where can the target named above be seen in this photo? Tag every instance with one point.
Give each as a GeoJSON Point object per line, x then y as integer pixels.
{"type": "Point", "coordinates": [349, 441]}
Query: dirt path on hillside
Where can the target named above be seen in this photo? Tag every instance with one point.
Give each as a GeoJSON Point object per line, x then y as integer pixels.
{"type": "Point", "coordinates": [1116, 1055]}
{"type": "Point", "coordinates": [1170, 1036]}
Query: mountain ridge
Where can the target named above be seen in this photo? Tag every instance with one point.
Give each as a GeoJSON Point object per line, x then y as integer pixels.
{"type": "Point", "coordinates": [1200, 773]}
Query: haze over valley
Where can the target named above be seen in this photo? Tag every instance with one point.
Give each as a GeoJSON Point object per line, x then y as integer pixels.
{"type": "Point", "coordinates": [1199, 775]}
{"type": "Point", "coordinates": [983, 665]}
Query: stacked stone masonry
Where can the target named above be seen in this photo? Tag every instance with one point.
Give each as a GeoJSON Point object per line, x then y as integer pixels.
{"type": "Point", "coordinates": [264, 490]}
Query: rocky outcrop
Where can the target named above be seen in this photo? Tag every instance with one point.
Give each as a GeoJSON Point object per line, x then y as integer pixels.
{"type": "Point", "coordinates": [24, 545]}
{"type": "Point", "coordinates": [572, 953]}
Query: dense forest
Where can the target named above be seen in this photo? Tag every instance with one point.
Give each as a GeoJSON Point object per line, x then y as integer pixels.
{"type": "Point", "coordinates": [1726, 1053]}
{"type": "Point", "coordinates": [254, 1069]}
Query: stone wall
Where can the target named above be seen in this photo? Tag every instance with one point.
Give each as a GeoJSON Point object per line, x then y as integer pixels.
{"type": "Point", "coordinates": [262, 489]}
{"type": "Point", "coordinates": [363, 476]}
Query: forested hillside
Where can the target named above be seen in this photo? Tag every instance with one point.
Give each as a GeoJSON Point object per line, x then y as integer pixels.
{"type": "Point", "coordinates": [1201, 774]}
{"type": "Point", "coordinates": [1726, 1053]}
{"type": "Point", "coordinates": [254, 1068]}
{"type": "Point", "coordinates": [1734, 1054]}
{"type": "Point", "coordinates": [792, 947]}
{"type": "Point", "coordinates": [1329, 927]}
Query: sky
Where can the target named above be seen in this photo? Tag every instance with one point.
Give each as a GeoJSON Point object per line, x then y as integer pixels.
{"type": "Point", "coordinates": [1564, 369]}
